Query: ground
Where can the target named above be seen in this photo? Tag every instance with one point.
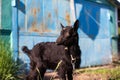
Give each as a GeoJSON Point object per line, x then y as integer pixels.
{"type": "Point", "coordinates": [79, 75]}
{"type": "Point", "coordinates": [105, 72]}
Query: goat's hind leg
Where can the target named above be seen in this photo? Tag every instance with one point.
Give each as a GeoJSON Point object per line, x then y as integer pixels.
{"type": "Point", "coordinates": [32, 75]}
{"type": "Point", "coordinates": [41, 69]}
{"type": "Point", "coordinates": [41, 73]}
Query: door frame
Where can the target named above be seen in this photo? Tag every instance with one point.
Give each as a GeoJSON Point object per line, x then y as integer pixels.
{"type": "Point", "coordinates": [14, 34]}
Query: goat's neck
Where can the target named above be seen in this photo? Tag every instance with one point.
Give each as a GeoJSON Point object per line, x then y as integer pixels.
{"type": "Point", "coordinates": [72, 47]}
{"type": "Point", "coordinates": [74, 43]}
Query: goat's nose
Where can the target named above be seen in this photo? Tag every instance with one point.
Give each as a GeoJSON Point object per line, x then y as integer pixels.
{"type": "Point", "coordinates": [58, 40]}
{"type": "Point", "coordinates": [67, 34]}
{"type": "Point", "coordinates": [56, 43]}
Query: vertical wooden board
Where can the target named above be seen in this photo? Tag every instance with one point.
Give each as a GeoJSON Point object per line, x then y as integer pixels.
{"type": "Point", "coordinates": [102, 48]}
{"type": "Point", "coordinates": [95, 52]}
{"type": "Point", "coordinates": [21, 12]}
{"type": "Point", "coordinates": [104, 31]}
{"type": "Point", "coordinates": [87, 50]}
{"type": "Point", "coordinates": [30, 16]}
{"type": "Point", "coordinates": [35, 21]}
{"type": "Point", "coordinates": [50, 15]}
{"type": "Point", "coordinates": [64, 12]}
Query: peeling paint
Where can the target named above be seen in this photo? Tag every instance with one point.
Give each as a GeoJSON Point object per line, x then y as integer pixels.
{"type": "Point", "coordinates": [40, 29]}
{"type": "Point", "coordinates": [56, 12]}
{"type": "Point", "coordinates": [43, 28]}
{"type": "Point", "coordinates": [33, 28]}
{"type": "Point", "coordinates": [34, 11]}
{"type": "Point", "coordinates": [49, 15]}
{"type": "Point", "coordinates": [67, 17]}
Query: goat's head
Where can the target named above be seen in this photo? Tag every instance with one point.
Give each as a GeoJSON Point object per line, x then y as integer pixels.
{"type": "Point", "coordinates": [68, 35]}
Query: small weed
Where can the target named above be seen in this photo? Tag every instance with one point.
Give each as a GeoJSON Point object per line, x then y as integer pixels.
{"type": "Point", "coordinates": [8, 67]}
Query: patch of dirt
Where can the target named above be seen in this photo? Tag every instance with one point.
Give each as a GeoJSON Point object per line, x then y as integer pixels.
{"type": "Point", "coordinates": [83, 75]}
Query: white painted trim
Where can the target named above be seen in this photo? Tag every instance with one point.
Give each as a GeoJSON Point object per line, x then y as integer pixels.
{"type": "Point", "coordinates": [13, 3]}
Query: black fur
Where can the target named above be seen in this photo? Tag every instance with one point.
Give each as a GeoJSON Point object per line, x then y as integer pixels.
{"type": "Point", "coordinates": [47, 55]}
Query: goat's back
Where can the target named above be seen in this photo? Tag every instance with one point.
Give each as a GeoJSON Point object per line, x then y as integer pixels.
{"type": "Point", "coordinates": [50, 53]}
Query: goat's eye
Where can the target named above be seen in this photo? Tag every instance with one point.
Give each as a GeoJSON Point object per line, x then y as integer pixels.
{"type": "Point", "coordinates": [71, 31]}
{"type": "Point", "coordinates": [62, 32]}
{"type": "Point", "coordinates": [68, 35]}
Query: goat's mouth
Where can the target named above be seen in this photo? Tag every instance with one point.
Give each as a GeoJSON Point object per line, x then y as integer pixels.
{"type": "Point", "coordinates": [59, 43]}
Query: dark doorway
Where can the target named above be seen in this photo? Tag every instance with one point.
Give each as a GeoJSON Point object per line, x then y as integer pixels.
{"type": "Point", "coordinates": [118, 22]}
{"type": "Point", "coordinates": [119, 18]}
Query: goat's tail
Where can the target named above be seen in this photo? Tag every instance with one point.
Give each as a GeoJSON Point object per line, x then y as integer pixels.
{"type": "Point", "coordinates": [25, 50]}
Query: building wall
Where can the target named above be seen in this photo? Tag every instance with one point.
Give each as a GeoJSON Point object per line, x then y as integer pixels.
{"type": "Point", "coordinates": [112, 24]}
{"type": "Point", "coordinates": [5, 21]}
{"type": "Point", "coordinates": [42, 23]}
{"type": "Point", "coordinates": [6, 14]}
{"type": "Point", "coordinates": [23, 25]}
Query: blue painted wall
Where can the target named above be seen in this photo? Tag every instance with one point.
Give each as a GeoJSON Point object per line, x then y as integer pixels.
{"type": "Point", "coordinates": [39, 21]}
{"type": "Point", "coordinates": [94, 32]}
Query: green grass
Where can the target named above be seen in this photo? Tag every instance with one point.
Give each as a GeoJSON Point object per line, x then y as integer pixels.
{"type": "Point", "coordinates": [112, 73]}
{"type": "Point", "coordinates": [105, 73]}
{"type": "Point", "coordinates": [8, 67]}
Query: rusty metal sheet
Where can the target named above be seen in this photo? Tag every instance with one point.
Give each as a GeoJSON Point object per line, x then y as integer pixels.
{"type": "Point", "coordinates": [43, 16]}
{"type": "Point", "coordinates": [39, 21]}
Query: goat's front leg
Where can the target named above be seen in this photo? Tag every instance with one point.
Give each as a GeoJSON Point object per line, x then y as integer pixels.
{"type": "Point", "coordinates": [70, 73]}
{"type": "Point", "coordinates": [77, 63]}
{"type": "Point", "coordinates": [62, 76]}
{"type": "Point", "coordinates": [62, 71]}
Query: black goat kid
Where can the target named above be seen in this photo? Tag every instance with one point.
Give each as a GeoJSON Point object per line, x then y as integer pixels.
{"type": "Point", "coordinates": [47, 55]}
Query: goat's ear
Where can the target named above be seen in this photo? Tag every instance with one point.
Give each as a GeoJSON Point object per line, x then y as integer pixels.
{"type": "Point", "coordinates": [76, 25]}
{"type": "Point", "coordinates": [62, 26]}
